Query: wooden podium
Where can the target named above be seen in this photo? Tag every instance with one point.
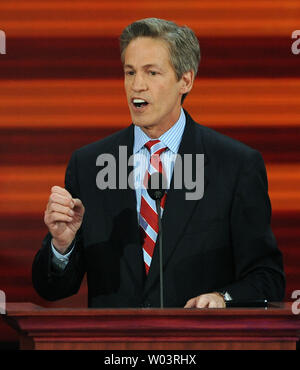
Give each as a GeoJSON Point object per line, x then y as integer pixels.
{"type": "Point", "coordinates": [154, 329]}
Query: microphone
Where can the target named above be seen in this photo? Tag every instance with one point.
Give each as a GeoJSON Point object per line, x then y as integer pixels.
{"type": "Point", "coordinates": [157, 186]}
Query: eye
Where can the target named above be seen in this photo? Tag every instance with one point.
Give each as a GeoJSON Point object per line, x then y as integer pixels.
{"type": "Point", "coordinates": [153, 73]}
{"type": "Point", "coordinates": [129, 73]}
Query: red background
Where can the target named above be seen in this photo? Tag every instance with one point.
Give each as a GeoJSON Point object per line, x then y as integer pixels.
{"type": "Point", "coordinates": [61, 87]}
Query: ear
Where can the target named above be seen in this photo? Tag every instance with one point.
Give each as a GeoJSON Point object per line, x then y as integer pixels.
{"type": "Point", "coordinates": [187, 81]}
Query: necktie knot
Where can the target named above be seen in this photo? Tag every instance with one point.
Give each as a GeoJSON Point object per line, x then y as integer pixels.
{"type": "Point", "coordinates": [155, 147]}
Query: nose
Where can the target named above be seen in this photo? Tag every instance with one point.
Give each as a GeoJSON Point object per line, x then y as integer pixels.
{"type": "Point", "coordinates": [139, 83]}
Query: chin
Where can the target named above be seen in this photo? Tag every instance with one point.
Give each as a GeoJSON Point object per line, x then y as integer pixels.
{"type": "Point", "coordinates": [138, 121]}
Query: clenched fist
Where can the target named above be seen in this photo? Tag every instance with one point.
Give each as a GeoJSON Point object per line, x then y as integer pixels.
{"type": "Point", "coordinates": [63, 217]}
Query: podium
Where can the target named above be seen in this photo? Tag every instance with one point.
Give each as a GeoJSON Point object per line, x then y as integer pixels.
{"type": "Point", "coordinates": [275, 327]}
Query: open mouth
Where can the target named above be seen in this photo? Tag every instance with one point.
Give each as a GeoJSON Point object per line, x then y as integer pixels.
{"type": "Point", "coordinates": [139, 103]}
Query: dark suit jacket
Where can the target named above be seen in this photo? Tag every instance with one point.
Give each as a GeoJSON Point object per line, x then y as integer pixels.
{"type": "Point", "coordinates": [222, 242]}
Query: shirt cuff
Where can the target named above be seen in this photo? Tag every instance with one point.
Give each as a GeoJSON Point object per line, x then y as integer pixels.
{"type": "Point", "coordinates": [61, 260]}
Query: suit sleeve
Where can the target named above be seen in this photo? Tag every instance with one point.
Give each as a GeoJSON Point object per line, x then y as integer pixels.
{"type": "Point", "coordinates": [258, 261]}
{"type": "Point", "coordinates": [51, 283]}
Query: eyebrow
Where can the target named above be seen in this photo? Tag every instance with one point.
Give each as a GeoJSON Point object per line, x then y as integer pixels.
{"type": "Point", "coordinates": [145, 66]}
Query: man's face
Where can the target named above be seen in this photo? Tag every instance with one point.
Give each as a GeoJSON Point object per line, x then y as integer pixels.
{"type": "Point", "coordinates": [152, 89]}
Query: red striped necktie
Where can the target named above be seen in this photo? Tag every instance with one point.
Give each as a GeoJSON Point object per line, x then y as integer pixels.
{"type": "Point", "coordinates": [148, 218]}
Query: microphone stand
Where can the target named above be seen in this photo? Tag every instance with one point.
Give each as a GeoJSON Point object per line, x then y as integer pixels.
{"type": "Point", "coordinates": [156, 191]}
{"type": "Point", "coordinates": [157, 201]}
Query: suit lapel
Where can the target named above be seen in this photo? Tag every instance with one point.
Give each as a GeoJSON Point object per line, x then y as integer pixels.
{"type": "Point", "coordinates": [177, 210]}
{"type": "Point", "coordinates": [123, 203]}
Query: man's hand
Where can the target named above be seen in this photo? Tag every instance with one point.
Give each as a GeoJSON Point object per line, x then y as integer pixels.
{"type": "Point", "coordinates": [63, 217]}
{"type": "Point", "coordinates": [210, 300]}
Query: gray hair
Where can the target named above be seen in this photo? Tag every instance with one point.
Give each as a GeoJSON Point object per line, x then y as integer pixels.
{"type": "Point", "coordinates": [183, 44]}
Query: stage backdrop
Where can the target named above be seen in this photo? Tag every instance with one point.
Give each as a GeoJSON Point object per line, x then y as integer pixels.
{"type": "Point", "coordinates": [61, 87]}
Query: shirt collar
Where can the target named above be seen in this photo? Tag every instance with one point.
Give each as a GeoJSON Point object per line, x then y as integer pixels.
{"type": "Point", "coordinates": [171, 138]}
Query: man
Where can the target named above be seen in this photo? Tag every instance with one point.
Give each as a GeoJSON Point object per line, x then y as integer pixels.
{"type": "Point", "coordinates": [216, 248]}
